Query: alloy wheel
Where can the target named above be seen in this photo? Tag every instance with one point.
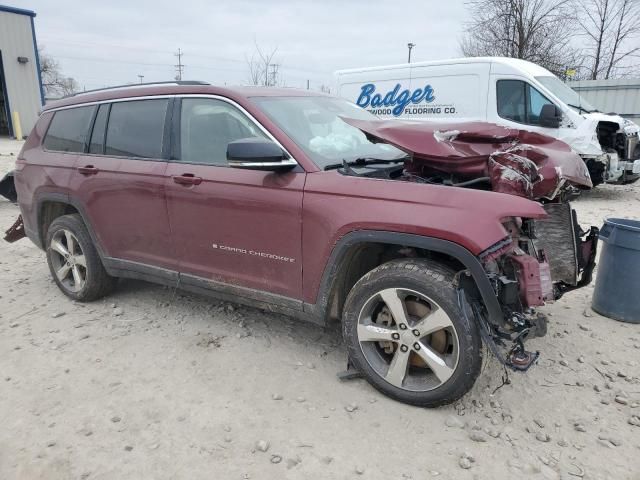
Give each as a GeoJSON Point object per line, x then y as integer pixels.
{"type": "Point", "coordinates": [68, 260]}
{"type": "Point", "coordinates": [408, 339]}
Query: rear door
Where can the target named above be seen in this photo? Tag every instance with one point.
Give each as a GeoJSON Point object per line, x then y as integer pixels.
{"type": "Point", "coordinates": [119, 181]}
{"type": "Point", "coordinates": [238, 227]}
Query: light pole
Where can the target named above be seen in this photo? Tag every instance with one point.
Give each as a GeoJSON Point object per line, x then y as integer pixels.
{"type": "Point", "coordinates": [141, 77]}
{"type": "Point", "coordinates": [410, 46]}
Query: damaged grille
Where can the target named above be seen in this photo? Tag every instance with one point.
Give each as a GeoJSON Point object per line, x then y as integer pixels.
{"type": "Point", "coordinates": [556, 235]}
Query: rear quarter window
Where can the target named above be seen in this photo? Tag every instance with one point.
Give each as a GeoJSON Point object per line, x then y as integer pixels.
{"type": "Point", "coordinates": [136, 128]}
{"type": "Point", "coordinates": [69, 129]}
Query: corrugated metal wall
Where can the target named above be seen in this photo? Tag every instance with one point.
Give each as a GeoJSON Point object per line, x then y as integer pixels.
{"type": "Point", "coordinates": [23, 86]}
{"type": "Point", "coordinates": [621, 96]}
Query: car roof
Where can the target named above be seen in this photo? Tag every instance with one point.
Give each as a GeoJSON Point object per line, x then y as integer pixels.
{"type": "Point", "coordinates": [178, 88]}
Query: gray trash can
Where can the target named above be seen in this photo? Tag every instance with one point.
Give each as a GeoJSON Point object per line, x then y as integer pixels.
{"type": "Point", "coordinates": [617, 290]}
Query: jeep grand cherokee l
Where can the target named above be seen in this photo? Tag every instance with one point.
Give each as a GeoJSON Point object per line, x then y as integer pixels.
{"type": "Point", "coordinates": [295, 202]}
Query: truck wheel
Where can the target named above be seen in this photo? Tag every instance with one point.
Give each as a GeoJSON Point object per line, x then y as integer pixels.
{"type": "Point", "coordinates": [407, 335]}
{"type": "Point", "coordinates": [74, 261]}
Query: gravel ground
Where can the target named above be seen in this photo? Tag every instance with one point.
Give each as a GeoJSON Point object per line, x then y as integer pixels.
{"type": "Point", "coordinates": [154, 383]}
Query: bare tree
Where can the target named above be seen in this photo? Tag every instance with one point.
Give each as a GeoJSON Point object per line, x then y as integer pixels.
{"type": "Point", "coordinates": [262, 68]}
{"type": "Point", "coordinates": [595, 19]}
{"type": "Point", "coordinates": [627, 30]}
{"type": "Point", "coordinates": [536, 30]}
{"type": "Point", "coordinates": [55, 84]}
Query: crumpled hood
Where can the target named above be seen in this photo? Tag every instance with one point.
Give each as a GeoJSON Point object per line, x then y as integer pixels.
{"type": "Point", "coordinates": [517, 162]}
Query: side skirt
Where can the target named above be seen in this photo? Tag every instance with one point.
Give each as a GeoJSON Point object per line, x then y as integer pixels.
{"type": "Point", "coordinates": [211, 288]}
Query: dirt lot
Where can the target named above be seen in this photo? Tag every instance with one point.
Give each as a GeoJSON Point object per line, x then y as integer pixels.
{"type": "Point", "coordinates": [153, 383]}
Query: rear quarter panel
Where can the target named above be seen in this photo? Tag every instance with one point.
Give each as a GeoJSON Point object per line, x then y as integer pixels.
{"type": "Point", "coordinates": [39, 172]}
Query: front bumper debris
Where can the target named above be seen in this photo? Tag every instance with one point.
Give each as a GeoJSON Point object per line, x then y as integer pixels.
{"type": "Point", "coordinates": [553, 256]}
{"type": "Point", "coordinates": [16, 232]}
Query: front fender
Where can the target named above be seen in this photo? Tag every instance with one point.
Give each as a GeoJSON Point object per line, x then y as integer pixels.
{"type": "Point", "coordinates": [464, 256]}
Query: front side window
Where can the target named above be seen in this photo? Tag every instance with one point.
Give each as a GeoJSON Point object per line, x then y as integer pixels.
{"type": "Point", "coordinates": [316, 125]}
{"type": "Point", "coordinates": [207, 126]}
{"type": "Point", "coordinates": [69, 129]}
{"type": "Point", "coordinates": [136, 128]}
{"type": "Point", "coordinates": [520, 102]}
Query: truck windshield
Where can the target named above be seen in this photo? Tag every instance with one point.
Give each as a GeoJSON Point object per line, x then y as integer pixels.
{"type": "Point", "coordinates": [316, 126]}
{"type": "Point", "coordinates": [566, 94]}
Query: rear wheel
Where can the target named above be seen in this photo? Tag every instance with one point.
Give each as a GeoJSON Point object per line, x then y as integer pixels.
{"type": "Point", "coordinates": [74, 261]}
{"type": "Point", "coordinates": [408, 336]}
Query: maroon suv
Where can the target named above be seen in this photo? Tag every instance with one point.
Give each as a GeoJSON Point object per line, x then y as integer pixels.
{"type": "Point", "coordinates": [296, 202]}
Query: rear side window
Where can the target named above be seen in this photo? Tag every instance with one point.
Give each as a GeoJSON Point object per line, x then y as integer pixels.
{"type": "Point", "coordinates": [69, 130]}
{"type": "Point", "coordinates": [136, 128]}
{"type": "Point", "coordinates": [99, 127]}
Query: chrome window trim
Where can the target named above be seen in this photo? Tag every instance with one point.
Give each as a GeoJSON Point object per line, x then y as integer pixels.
{"type": "Point", "coordinates": [185, 95]}
{"type": "Point", "coordinates": [289, 162]}
{"type": "Point", "coordinates": [113, 100]}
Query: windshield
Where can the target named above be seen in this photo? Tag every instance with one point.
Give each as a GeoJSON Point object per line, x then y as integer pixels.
{"type": "Point", "coordinates": [314, 124]}
{"type": "Point", "coordinates": [566, 93]}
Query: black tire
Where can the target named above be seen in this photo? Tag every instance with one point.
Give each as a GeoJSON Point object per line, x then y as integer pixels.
{"type": "Point", "coordinates": [97, 283]}
{"type": "Point", "coordinates": [434, 281]}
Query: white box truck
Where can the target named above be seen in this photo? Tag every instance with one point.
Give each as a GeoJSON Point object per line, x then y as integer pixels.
{"type": "Point", "coordinates": [506, 91]}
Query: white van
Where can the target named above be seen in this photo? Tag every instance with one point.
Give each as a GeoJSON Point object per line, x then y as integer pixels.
{"type": "Point", "coordinates": [510, 92]}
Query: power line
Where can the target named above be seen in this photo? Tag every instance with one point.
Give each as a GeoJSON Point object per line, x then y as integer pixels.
{"type": "Point", "coordinates": [194, 55]}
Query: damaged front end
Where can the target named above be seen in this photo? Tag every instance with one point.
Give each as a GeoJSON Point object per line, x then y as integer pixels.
{"type": "Point", "coordinates": [536, 264]}
{"type": "Point", "coordinates": [483, 156]}
{"type": "Point", "coordinates": [538, 260]}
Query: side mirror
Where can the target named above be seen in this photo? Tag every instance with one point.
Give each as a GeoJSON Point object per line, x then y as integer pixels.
{"type": "Point", "coordinates": [550, 116]}
{"type": "Point", "coordinates": [258, 154]}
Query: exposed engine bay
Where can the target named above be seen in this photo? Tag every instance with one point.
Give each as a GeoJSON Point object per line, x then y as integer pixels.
{"type": "Point", "coordinates": [479, 155]}
{"type": "Point", "coordinates": [619, 147]}
{"type": "Point", "coordinates": [539, 260]}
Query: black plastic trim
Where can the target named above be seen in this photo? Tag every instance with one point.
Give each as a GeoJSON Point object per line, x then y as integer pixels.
{"type": "Point", "coordinates": [464, 256]}
{"type": "Point", "coordinates": [128, 269]}
{"type": "Point", "coordinates": [64, 198]}
{"type": "Point", "coordinates": [248, 296]}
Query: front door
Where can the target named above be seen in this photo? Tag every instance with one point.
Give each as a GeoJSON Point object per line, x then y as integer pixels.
{"type": "Point", "coordinates": [120, 183]}
{"type": "Point", "coordinates": [518, 105]}
{"type": "Point", "coordinates": [238, 227]}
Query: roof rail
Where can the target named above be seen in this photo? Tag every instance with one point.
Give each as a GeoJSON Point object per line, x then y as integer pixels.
{"type": "Point", "coordinates": [146, 84]}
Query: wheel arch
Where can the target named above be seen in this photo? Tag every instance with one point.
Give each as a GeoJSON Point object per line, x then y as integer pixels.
{"type": "Point", "coordinates": [52, 205]}
{"type": "Point", "coordinates": [351, 258]}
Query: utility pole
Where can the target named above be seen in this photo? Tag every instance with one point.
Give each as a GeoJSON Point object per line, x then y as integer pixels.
{"type": "Point", "coordinates": [410, 46]}
{"type": "Point", "coordinates": [179, 66]}
{"type": "Point", "coordinates": [274, 73]}
{"type": "Point", "coordinates": [307, 84]}
{"type": "Point", "coordinates": [141, 77]}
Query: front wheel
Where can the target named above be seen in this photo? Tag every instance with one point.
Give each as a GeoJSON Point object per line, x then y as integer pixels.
{"type": "Point", "coordinates": [408, 336]}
